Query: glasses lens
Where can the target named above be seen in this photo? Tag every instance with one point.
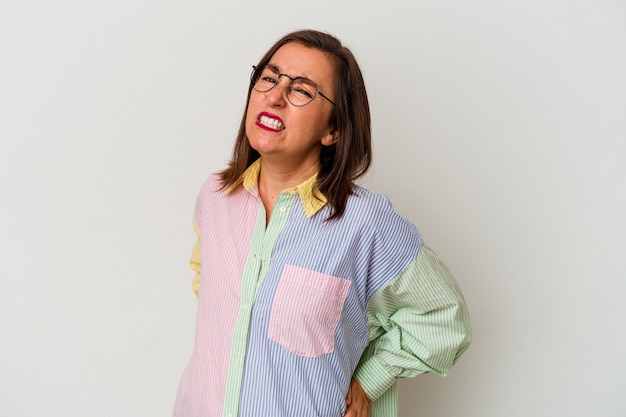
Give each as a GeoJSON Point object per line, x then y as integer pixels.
{"type": "Point", "coordinates": [266, 81]}
{"type": "Point", "coordinates": [301, 92]}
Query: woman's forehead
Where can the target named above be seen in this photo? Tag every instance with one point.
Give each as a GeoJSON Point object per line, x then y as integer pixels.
{"type": "Point", "coordinates": [297, 60]}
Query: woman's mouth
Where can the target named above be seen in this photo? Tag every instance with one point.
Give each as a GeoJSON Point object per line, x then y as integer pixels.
{"type": "Point", "coordinates": [270, 122]}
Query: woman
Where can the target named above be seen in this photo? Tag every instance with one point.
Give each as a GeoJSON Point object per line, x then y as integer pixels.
{"type": "Point", "coordinates": [314, 295]}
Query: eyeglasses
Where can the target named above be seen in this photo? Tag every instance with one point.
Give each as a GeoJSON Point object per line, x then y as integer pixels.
{"type": "Point", "coordinates": [300, 91]}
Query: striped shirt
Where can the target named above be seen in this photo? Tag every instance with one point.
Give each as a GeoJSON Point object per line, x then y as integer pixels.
{"type": "Point", "coordinates": [291, 310]}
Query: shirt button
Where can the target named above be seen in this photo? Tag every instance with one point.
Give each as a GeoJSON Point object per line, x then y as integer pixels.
{"type": "Point", "coordinates": [282, 209]}
{"type": "Point", "coordinates": [245, 306]}
{"type": "Point", "coordinates": [263, 258]}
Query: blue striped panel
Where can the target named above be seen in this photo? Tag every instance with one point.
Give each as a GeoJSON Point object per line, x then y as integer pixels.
{"type": "Point", "coordinates": [369, 246]}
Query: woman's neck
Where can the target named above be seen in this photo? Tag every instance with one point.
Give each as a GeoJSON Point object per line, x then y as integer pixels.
{"type": "Point", "coordinates": [274, 179]}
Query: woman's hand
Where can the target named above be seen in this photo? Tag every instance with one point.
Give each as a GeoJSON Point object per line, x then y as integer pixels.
{"type": "Point", "coordinates": [357, 401]}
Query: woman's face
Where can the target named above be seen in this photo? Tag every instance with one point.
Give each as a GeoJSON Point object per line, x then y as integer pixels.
{"type": "Point", "coordinates": [282, 132]}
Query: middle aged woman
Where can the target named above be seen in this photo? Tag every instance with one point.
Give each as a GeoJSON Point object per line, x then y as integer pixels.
{"type": "Point", "coordinates": [314, 295]}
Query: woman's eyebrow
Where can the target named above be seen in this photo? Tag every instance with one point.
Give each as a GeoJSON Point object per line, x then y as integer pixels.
{"type": "Point", "coordinates": [273, 68]}
{"type": "Point", "coordinates": [276, 70]}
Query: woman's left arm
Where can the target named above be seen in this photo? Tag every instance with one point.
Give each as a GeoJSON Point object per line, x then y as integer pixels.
{"type": "Point", "coordinates": [418, 323]}
{"type": "Point", "coordinates": [357, 402]}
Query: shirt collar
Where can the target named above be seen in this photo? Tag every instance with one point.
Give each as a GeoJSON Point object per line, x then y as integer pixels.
{"type": "Point", "coordinates": [312, 199]}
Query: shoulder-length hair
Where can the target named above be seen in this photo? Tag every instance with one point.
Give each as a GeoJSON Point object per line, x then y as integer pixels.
{"type": "Point", "coordinates": [351, 156]}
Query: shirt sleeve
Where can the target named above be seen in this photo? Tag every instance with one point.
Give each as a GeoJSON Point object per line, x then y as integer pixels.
{"type": "Point", "coordinates": [196, 260]}
{"type": "Point", "coordinates": [418, 323]}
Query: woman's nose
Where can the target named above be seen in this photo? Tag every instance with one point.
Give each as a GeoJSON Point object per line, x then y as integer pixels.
{"type": "Point", "coordinates": [278, 94]}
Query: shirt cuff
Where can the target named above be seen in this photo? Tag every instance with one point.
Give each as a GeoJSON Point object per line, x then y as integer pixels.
{"type": "Point", "coordinates": [374, 378]}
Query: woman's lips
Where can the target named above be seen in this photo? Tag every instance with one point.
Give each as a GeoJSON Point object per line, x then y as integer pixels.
{"type": "Point", "coordinates": [270, 122]}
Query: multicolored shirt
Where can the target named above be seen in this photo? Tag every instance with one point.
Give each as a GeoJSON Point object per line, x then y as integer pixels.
{"type": "Point", "coordinates": [290, 310]}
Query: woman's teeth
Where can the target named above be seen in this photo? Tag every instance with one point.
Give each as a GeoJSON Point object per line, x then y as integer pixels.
{"type": "Point", "coordinates": [271, 123]}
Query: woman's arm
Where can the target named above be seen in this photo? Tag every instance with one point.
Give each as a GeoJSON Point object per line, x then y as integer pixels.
{"type": "Point", "coordinates": [196, 260]}
{"type": "Point", "coordinates": [418, 323]}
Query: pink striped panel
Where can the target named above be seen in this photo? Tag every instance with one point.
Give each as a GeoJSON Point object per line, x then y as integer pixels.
{"type": "Point", "coordinates": [306, 311]}
{"type": "Point", "coordinates": [203, 385]}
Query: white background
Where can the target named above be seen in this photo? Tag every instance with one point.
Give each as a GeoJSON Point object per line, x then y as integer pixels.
{"type": "Point", "coordinates": [499, 128]}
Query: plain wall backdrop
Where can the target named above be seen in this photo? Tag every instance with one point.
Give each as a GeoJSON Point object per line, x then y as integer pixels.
{"type": "Point", "coordinates": [499, 129]}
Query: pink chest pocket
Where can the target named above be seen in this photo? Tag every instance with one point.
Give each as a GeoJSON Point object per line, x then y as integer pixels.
{"type": "Point", "coordinates": [306, 311]}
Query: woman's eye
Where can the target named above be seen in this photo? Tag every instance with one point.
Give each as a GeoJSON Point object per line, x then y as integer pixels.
{"type": "Point", "coordinates": [303, 92]}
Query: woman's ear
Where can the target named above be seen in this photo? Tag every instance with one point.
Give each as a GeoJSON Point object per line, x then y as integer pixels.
{"type": "Point", "coordinates": [331, 138]}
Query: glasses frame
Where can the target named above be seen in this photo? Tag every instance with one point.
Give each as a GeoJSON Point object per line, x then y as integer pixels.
{"type": "Point", "coordinates": [317, 90]}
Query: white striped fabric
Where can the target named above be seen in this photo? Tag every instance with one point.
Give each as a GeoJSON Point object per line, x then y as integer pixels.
{"type": "Point", "coordinates": [286, 311]}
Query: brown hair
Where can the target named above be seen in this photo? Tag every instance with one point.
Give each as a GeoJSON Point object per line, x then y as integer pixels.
{"type": "Point", "coordinates": [351, 156]}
